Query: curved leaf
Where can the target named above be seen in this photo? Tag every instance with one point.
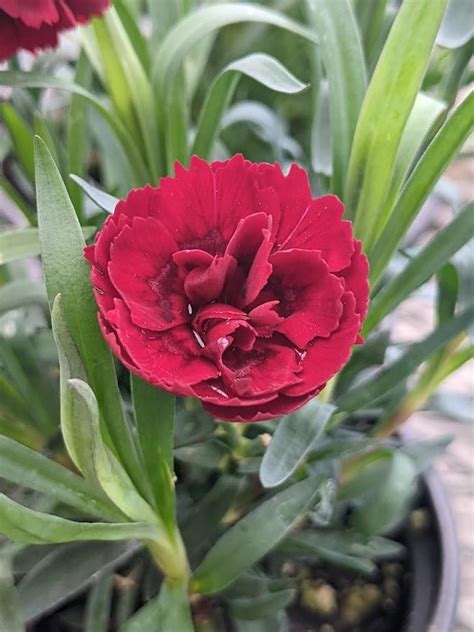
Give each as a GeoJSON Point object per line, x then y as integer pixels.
{"type": "Point", "coordinates": [101, 198]}
{"type": "Point", "coordinates": [457, 27]}
{"type": "Point", "coordinates": [293, 439]}
{"type": "Point", "coordinates": [205, 20]}
{"type": "Point", "coordinates": [23, 466]}
{"type": "Point", "coordinates": [253, 536]}
{"type": "Point", "coordinates": [262, 68]}
{"type": "Point", "coordinates": [27, 526]}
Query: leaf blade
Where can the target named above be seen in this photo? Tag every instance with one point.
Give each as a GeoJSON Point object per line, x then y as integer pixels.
{"type": "Point", "coordinates": [294, 438]}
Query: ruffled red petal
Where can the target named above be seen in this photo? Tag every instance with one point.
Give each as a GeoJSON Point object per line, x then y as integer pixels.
{"type": "Point", "coordinates": [230, 284]}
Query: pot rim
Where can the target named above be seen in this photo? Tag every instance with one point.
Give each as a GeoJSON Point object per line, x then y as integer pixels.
{"type": "Point", "coordinates": [445, 608]}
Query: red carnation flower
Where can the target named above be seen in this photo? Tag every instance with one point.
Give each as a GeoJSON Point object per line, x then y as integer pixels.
{"type": "Point", "coordinates": [230, 283]}
{"type": "Point", "coordinates": [34, 24]}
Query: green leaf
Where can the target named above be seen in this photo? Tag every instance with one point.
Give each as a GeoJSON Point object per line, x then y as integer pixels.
{"type": "Point", "coordinates": [10, 618]}
{"type": "Point", "coordinates": [202, 22]}
{"type": "Point", "coordinates": [344, 549]}
{"type": "Point", "coordinates": [169, 611]}
{"type": "Point", "coordinates": [422, 266]}
{"type": "Point", "coordinates": [18, 200]}
{"type": "Point", "coordinates": [439, 153]}
{"type": "Point", "coordinates": [262, 68]}
{"type": "Point", "coordinates": [23, 466]}
{"type": "Point", "coordinates": [253, 536]}
{"type": "Point", "coordinates": [321, 146]}
{"type": "Point", "coordinates": [17, 244]}
{"type": "Point", "coordinates": [101, 198]}
{"type": "Point", "coordinates": [154, 416]}
{"type": "Point", "coordinates": [203, 521]}
{"type": "Point", "coordinates": [19, 293]}
{"type": "Point", "coordinates": [209, 455]}
{"type": "Point", "coordinates": [425, 115]}
{"type": "Point", "coordinates": [132, 92]}
{"type": "Point", "coordinates": [37, 80]}
{"type": "Point", "coordinates": [76, 433]}
{"type": "Point", "coordinates": [385, 381]}
{"type": "Point", "coordinates": [448, 288]}
{"type": "Point", "coordinates": [390, 481]}
{"type": "Point", "coordinates": [67, 273]}
{"type": "Point", "coordinates": [457, 27]}
{"type": "Point", "coordinates": [27, 526]}
{"type": "Point", "coordinates": [77, 132]}
{"type": "Point", "coordinates": [66, 571]}
{"type": "Point", "coordinates": [22, 137]}
{"type": "Point", "coordinates": [276, 623]}
{"type": "Point", "coordinates": [387, 105]}
{"type": "Point", "coordinates": [137, 39]}
{"type": "Point", "coordinates": [98, 606]}
{"type": "Point", "coordinates": [163, 13]}
{"type": "Point", "coordinates": [343, 59]}
{"type": "Point", "coordinates": [295, 436]}
{"type": "Point", "coordinates": [261, 606]}
{"type": "Point", "coordinates": [111, 475]}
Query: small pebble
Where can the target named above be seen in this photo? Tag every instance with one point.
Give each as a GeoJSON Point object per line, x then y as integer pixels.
{"type": "Point", "coordinates": [319, 597]}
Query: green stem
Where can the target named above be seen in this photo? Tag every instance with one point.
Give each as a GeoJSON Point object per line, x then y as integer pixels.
{"type": "Point", "coordinates": [170, 556]}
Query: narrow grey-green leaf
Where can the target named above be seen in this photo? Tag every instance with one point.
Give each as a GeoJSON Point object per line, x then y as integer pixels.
{"type": "Point", "coordinates": [112, 477]}
{"type": "Point", "coordinates": [154, 416]}
{"type": "Point", "coordinates": [424, 116]}
{"type": "Point", "coordinates": [169, 611]}
{"type": "Point", "coordinates": [293, 439]}
{"type": "Point", "coordinates": [253, 536]}
{"type": "Point", "coordinates": [23, 466]}
{"type": "Point", "coordinates": [67, 273]}
{"type": "Point", "coordinates": [385, 111]}
{"type": "Point", "coordinates": [22, 137]}
{"type": "Point", "coordinates": [99, 601]}
{"type": "Point", "coordinates": [383, 382]}
{"type": "Point", "coordinates": [19, 79]}
{"type": "Point", "coordinates": [343, 58]}
{"type": "Point", "coordinates": [422, 266]}
{"type": "Point", "coordinates": [24, 242]}
{"type": "Point", "coordinates": [27, 526]}
{"type": "Point", "coordinates": [19, 293]}
{"type": "Point", "coordinates": [204, 21]}
{"type": "Point", "coordinates": [439, 153]}
{"type": "Point", "coordinates": [66, 571]}
{"type": "Point", "coordinates": [457, 27]}
{"type": "Point", "coordinates": [10, 618]}
{"type": "Point", "coordinates": [262, 68]}
{"type": "Point", "coordinates": [101, 198]}
{"type": "Point", "coordinates": [321, 145]}
{"type": "Point", "coordinates": [261, 606]}
{"type": "Point", "coordinates": [391, 483]}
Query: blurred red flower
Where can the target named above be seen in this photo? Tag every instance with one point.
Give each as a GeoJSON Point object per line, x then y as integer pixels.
{"type": "Point", "coordinates": [35, 24]}
{"type": "Point", "coordinates": [230, 283]}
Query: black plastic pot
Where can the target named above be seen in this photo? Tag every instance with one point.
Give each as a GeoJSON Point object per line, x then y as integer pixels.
{"type": "Point", "coordinates": [435, 564]}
